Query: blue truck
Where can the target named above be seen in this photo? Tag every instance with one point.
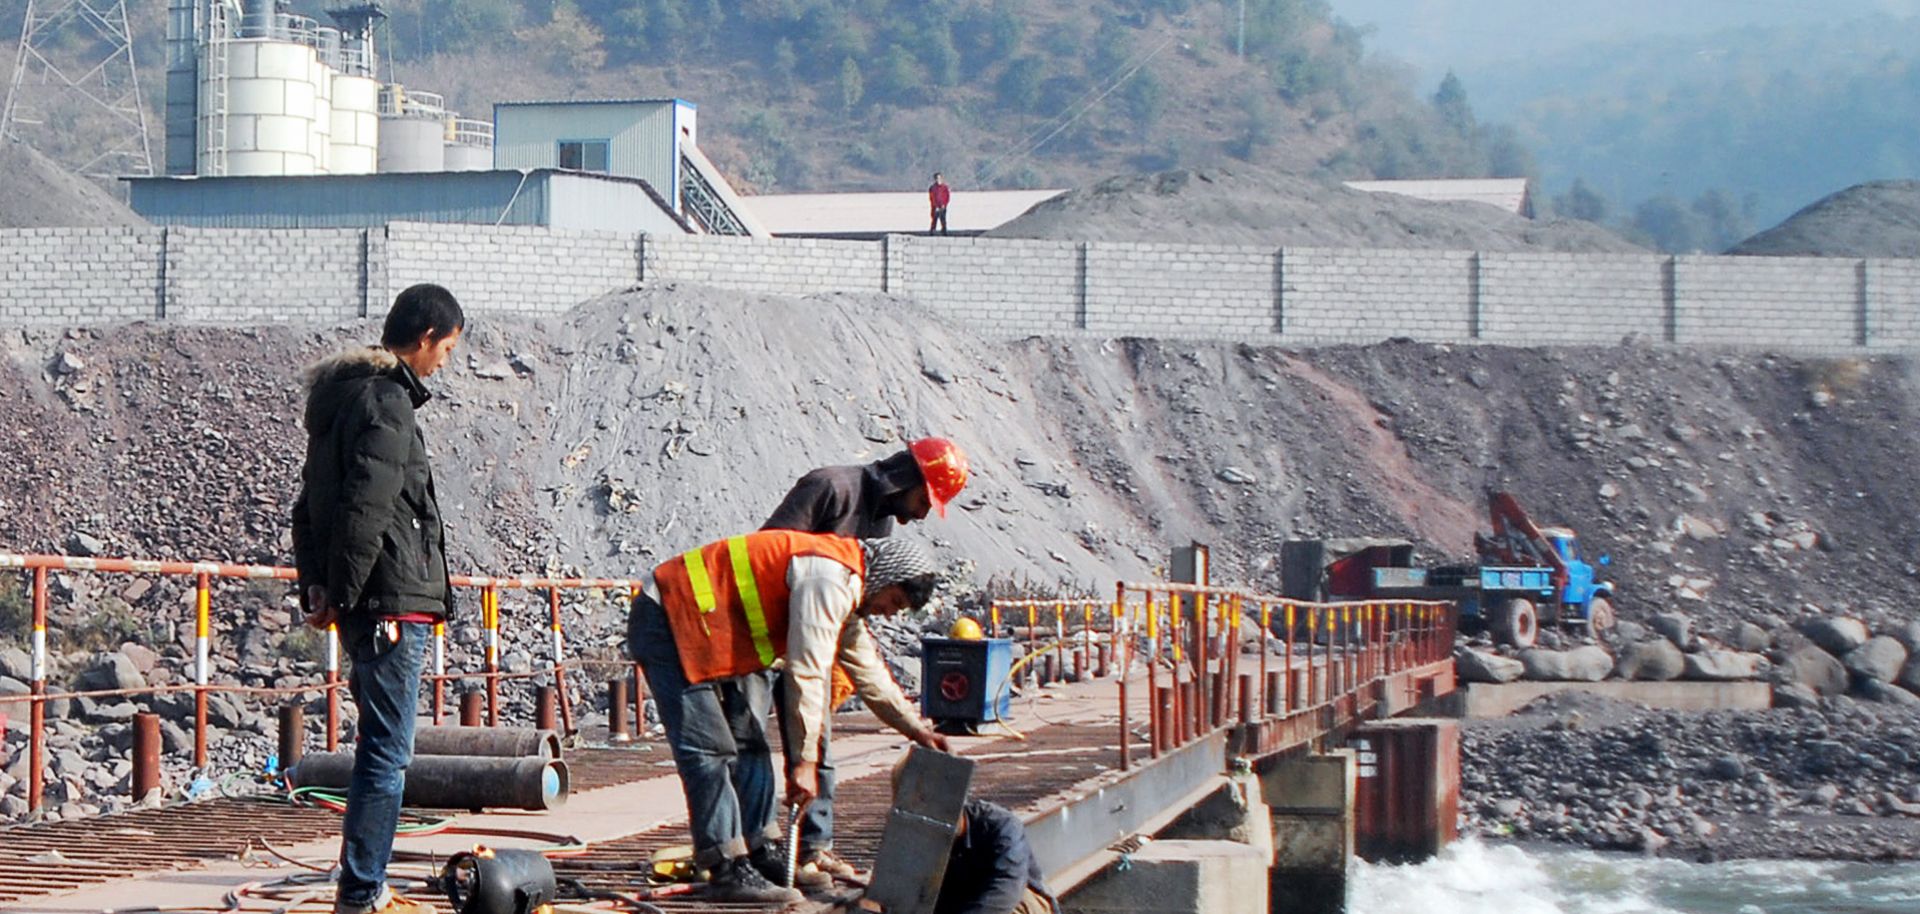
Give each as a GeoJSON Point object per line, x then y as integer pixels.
{"type": "Point", "coordinates": [1527, 575]}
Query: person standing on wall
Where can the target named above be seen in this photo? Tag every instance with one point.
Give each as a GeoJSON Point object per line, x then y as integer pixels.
{"type": "Point", "coordinates": [371, 553]}
{"type": "Point", "coordinates": [864, 502]}
{"type": "Point", "coordinates": [939, 195]}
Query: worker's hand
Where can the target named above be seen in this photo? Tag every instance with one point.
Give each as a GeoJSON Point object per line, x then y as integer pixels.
{"type": "Point", "coordinates": [320, 613]}
{"type": "Point", "coordinates": [803, 783]}
{"type": "Point", "coordinates": [932, 739]}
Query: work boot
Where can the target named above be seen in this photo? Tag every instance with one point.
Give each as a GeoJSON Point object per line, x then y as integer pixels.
{"type": "Point", "coordinates": [738, 880]}
{"type": "Point", "coordinates": [771, 860]}
{"type": "Point", "coordinates": [828, 862]}
{"type": "Point", "coordinates": [389, 902]}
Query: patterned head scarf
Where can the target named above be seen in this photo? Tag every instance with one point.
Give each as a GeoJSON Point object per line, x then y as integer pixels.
{"type": "Point", "coordinates": [897, 561]}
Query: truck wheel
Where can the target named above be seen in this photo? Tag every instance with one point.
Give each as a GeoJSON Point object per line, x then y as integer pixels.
{"type": "Point", "coordinates": [1514, 622]}
{"type": "Point", "coordinates": [1600, 617]}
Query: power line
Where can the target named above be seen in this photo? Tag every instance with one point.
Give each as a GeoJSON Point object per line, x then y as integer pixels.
{"type": "Point", "coordinates": [986, 172]}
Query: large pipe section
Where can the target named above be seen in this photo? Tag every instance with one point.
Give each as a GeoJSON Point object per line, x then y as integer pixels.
{"type": "Point", "coordinates": [490, 742]}
{"type": "Point", "coordinates": [454, 781]}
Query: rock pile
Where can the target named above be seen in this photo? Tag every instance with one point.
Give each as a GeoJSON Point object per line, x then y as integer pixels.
{"type": "Point", "coordinates": [1581, 770]}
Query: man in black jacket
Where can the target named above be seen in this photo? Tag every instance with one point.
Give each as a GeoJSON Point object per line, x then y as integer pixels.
{"type": "Point", "coordinates": [990, 869]}
{"type": "Point", "coordinates": [371, 552]}
{"type": "Point", "coordinates": [861, 501]}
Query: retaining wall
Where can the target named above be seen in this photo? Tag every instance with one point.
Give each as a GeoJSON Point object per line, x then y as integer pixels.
{"type": "Point", "coordinates": [997, 287]}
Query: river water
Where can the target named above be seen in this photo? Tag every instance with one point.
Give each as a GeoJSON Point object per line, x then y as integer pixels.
{"type": "Point", "coordinates": [1473, 877]}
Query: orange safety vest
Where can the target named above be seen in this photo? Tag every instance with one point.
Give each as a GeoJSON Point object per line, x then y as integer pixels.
{"type": "Point", "coordinates": [727, 600]}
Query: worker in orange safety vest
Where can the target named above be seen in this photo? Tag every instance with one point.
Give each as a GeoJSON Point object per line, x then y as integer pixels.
{"type": "Point", "coordinates": [707, 628]}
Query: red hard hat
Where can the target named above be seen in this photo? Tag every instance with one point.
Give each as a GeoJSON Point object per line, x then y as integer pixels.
{"type": "Point", "coordinates": [944, 466]}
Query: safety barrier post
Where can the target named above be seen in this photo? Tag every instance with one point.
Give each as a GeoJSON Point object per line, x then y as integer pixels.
{"type": "Point", "coordinates": [617, 730]}
{"type": "Point", "coordinates": [439, 672]}
{"type": "Point", "coordinates": [1086, 636]}
{"type": "Point", "coordinates": [1033, 640]}
{"type": "Point", "coordinates": [490, 612]}
{"type": "Point", "coordinates": [37, 715]}
{"type": "Point", "coordinates": [993, 620]}
{"type": "Point", "coordinates": [202, 619]}
{"type": "Point", "coordinates": [1266, 632]}
{"type": "Point", "coordinates": [1061, 650]}
{"type": "Point", "coordinates": [333, 687]}
{"type": "Point", "coordinates": [1286, 662]}
{"type": "Point", "coordinates": [1154, 733]}
{"type": "Point", "coordinates": [1175, 633]}
{"type": "Point", "coordinates": [1202, 655]}
{"type": "Point", "coordinates": [1114, 634]}
{"type": "Point", "coordinates": [1313, 674]}
{"type": "Point", "coordinates": [146, 755]}
{"type": "Point", "coordinates": [560, 662]}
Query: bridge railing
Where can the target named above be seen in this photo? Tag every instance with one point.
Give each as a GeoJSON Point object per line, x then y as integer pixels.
{"type": "Point", "coordinates": [489, 589]}
{"type": "Point", "coordinates": [1312, 666]}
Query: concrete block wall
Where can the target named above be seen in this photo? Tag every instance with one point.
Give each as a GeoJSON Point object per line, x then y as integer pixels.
{"type": "Point", "coordinates": [265, 275]}
{"type": "Point", "coordinates": [1528, 298]}
{"type": "Point", "coordinates": [1329, 295]}
{"type": "Point", "coordinates": [996, 287]}
{"type": "Point", "coordinates": [1810, 302]}
{"type": "Point", "coordinates": [509, 269]}
{"type": "Point", "coordinates": [1893, 303]}
{"type": "Point", "coordinates": [797, 266]}
{"type": "Point", "coordinates": [80, 276]}
{"type": "Point", "coordinates": [1169, 290]}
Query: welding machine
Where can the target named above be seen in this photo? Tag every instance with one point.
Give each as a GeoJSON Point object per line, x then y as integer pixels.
{"type": "Point", "coordinates": [963, 682]}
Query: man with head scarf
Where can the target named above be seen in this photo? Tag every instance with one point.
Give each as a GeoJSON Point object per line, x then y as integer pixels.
{"type": "Point", "coordinates": [862, 501]}
{"type": "Point", "coordinates": [706, 629]}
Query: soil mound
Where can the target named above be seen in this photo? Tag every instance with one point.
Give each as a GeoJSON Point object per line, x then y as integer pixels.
{"type": "Point", "coordinates": [1242, 205]}
{"type": "Point", "coordinates": [1876, 219]}
{"type": "Point", "coordinates": [35, 192]}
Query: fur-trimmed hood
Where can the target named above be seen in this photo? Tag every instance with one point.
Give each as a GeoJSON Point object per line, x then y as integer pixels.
{"type": "Point", "coordinates": [329, 382]}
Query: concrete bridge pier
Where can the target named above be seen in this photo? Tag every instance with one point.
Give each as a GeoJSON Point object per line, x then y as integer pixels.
{"type": "Point", "coordinates": [1310, 801]}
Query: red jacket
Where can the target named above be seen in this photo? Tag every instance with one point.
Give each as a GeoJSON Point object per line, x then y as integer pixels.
{"type": "Point", "coordinates": [939, 194]}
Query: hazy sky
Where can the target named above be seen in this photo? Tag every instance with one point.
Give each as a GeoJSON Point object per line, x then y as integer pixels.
{"type": "Point", "coordinates": [1435, 35]}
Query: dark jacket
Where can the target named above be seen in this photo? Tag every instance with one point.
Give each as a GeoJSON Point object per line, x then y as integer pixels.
{"type": "Point", "coordinates": [366, 524]}
{"type": "Point", "coordinates": [991, 865]}
{"type": "Point", "coordinates": [856, 501]}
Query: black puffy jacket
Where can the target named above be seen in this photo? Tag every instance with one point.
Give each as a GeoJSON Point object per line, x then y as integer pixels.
{"type": "Point", "coordinates": [366, 525]}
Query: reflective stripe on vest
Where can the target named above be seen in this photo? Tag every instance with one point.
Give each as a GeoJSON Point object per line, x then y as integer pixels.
{"type": "Point", "coordinates": [702, 587]}
{"type": "Point", "coordinates": [750, 599]}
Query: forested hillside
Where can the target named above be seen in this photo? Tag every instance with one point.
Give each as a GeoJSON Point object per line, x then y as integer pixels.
{"type": "Point", "coordinates": [846, 94]}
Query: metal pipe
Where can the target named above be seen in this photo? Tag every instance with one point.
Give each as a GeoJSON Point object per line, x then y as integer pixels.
{"type": "Point", "coordinates": [455, 781]}
{"type": "Point", "coordinates": [543, 707]}
{"type": "Point", "coordinates": [469, 709]}
{"type": "Point", "coordinates": [1163, 720]}
{"type": "Point", "coordinates": [617, 729]}
{"type": "Point", "coordinates": [1217, 688]}
{"type": "Point", "coordinates": [37, 716]}
{"type": "Point", "coordinates": [1271, 706]}
{"type": "Point", "coordinates": [293, 735]}
{"type": "Point", "coordinates": [492, 742]}
{"type": "Point", "coordinates": [560, 662]}
{"type": "Point", "coordinates": [1202, 658]}
{"type": "Point", "coordinates": [146, 755]}
{"type": "Point", "coordinates": [1079, 666]}
{"type": "Point", "coordinates": [1116, 630]}
{"type": "Point", "coordinates": [202, 630]}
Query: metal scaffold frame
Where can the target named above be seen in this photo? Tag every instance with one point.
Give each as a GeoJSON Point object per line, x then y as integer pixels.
{"type": "Point", "coordinates": [106, 78]}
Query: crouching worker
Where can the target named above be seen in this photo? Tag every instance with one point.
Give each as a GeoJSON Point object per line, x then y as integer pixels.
{"type": "Point", "coordinates": [706, 629]}
{"type": "Point", "coordinates": [990, 869]}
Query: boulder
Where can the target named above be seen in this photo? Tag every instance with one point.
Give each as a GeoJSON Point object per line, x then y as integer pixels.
{"type": "Point", "coordinates": [1885, 693]}
{"type": "Point", "coordinates": [1836, 636]}
{"type": "Point", "coordinates": [1816, 669]}
{"type": "Point", "coordinates": [1880, 659]}
{"type": "Point", "coordinates": [112, 670]}
{"type": "Point", "coordinates": [1626, 632]}
{"type": "Point", "coordinates": [1908, 634]}
{"type": "Point", "coordinates": [1795, 695]}
{"type": "Point", "coordinates": [1722, 666]}
{"type": "Point", "coordinates": [16, 663]}
{"type": "Point", "coordinates": [1481, 666]}
{"type": "Point", "coordinates": [11, 686]}
{"type": "Point", "coordinates": [142, 656]}
{"type": "Point", "coordinates": [1675, 627]}
{"type": "Point", "coordinates": [1909, 677]}
{"type": "Point", "coordinates": [1749, 637]}
{"type": "Point", "coordinates": [1650, 661]}
{"type": "Point", "coordinates": [1591, 663]}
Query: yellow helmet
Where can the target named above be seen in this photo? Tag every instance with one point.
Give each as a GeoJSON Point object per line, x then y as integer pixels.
{"type": "Point", "coordinates": [965, 629]}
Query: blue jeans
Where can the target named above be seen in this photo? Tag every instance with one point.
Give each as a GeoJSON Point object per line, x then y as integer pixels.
{"type": "Point", "coordinates": [718, 731]}
{"type": "Point", "coordinates": [816, 824]}
{"type": "Point", "coordinates": [385, 682]}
